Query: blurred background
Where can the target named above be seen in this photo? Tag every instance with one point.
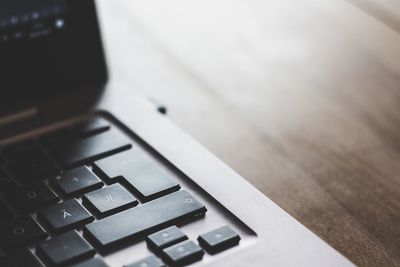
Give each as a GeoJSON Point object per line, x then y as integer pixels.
{"type": "Point", "coordinates": [302, 98]}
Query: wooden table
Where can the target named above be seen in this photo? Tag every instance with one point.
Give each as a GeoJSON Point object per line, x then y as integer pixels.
{"type": "Point", "coordinates": [300, 97]}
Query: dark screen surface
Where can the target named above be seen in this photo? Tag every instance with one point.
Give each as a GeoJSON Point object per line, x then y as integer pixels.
{"type": "Point", "coordinates": [48, 47]}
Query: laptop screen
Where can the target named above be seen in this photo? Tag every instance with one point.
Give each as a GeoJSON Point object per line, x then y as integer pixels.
{"type": "Point", "coordinates": [48, 46]}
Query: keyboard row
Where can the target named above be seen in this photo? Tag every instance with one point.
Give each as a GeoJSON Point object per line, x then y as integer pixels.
{"type": "Point", "coordinates": [37, 159]}
{"type": "Point", "coordinates": [90, 178]}
{"type": "Point", "coordinates": [133, 223]}
{"type": "Point", "coordinates": [135, 170]}
{"type": "Point", "coordinates": [170, 244]}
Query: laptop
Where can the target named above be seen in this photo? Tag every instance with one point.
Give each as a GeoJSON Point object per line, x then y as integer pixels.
{"type": "Point", "coordinates": [92, 175]}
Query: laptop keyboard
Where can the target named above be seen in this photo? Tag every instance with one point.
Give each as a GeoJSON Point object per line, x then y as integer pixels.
{"type": "Point", "coordinates": [71, 196]}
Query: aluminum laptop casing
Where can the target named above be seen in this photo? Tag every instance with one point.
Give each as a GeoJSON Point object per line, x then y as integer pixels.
{"type": "Point", "coordinates": [270, 236]}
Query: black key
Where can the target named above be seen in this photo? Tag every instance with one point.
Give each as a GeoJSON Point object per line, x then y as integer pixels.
{"type": "Point", "coordinates": [64, 249]}
{"type": "Point", "coordinates": [92, 148]}
{"type": "Point", "coordinates": [20, 258]}
{"type": "Point", "coordinates": [64, 216]}
{"type": "Point", "coordinates": [5, 181]}
{"type": "Point", "coordinates": [140, 173]}
{"type": "Point", "coordinates": [5, 212]}
{"type": "Point", "coordinates": [21, 150]}
{"type": "Point", "coordinates": [109, 200]}
{"type": "Point", "coordinates": [95, 262]}
{"type": "Point", "coordinates": [76, 182]}
{"type": "Point", "coordinates": [30, 171]}
{"type": "Point", "coordinates": [28, 162]}
{"type": "Point", "coordinates": [165, 238]}
{"type": "Point", "coordinates": [21, 231]}
{"type": "Point", "coordinates": [178, 207]}
{"type": "Point", "coordinates": [29, 198]}
{"type": "Point", "coordinates": [31, 168]}
{"type": "Point", "coordinates": [92, 127]}
{"type": "Point", "coordinates": [150, 261]}
{"type": "Point", "coordinates": [219, 239]}
{"type": "Point", "coordinates": [58, 138]}
{"type": "Point", "coordinates": [183, 253]}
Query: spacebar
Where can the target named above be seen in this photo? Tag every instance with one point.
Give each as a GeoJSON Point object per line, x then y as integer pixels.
{"type": "Point", "coordinates": [176, 208]}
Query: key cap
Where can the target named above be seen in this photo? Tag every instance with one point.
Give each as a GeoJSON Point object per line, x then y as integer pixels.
{"type": "Point", "coordinates": [21, 150]}
{"type": "Point", "coordinates": [76, 182]}
{"type": "Point", "coordinates": [5, 212]}
{"type": "Point", "coordinates": [92, 127]}
{"type": "Point", "coordinates": [184, 253]}
{"type": "Point", "coordinates": [28, 168]}
{"type": "Point", "coordinates": [140, 173]}
{"type": "Point", "coordinates": [92, 148]}
{"type": "Point", "coordinates": [29, 198]}
{"type": "Point", "coordinates": [109, 200]}
{"type": "Point", "coordinates": [95, 262]}
{"type": "Point", "coordinates": [165, 238]}
{"type": "Point", "coordinates": [64, 249]}
{"type": "Point", "coordinates": [178, 207]}
{"type": "Point", "coordinates": [219, 239]}
{"type": "Point", "coordinates": [20, 258]}
{"type": "Point", "coordinates": [21, 231]}
{"type": "Point", "coordinates": [64, 216]}
{"type": "Point", "coordinates": [28, 162]}
{"type": "Point", "coordinates": [58, 138]}
{"type": "Point", "coordinates": [150, 261]}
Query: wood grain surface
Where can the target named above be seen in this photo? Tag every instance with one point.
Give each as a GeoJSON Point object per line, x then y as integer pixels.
{"type": "Point", "coordinates": [302, 98]}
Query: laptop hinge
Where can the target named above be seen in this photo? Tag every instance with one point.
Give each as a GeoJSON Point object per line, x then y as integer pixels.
{"type": "Point", "coordinates": [18, 116]}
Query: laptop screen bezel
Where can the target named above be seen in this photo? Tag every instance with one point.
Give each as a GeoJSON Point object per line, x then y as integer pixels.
{"type": "Point", "coordinates": [13, 99]}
